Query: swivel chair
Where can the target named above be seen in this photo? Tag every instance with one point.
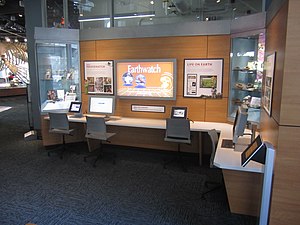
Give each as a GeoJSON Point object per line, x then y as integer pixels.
{"type": "Point", "coordinates": [178, 131]}
{"type": "Point", "coordinates": [212, 185]}
{"type": "Point", "coordinates": [96, 129]}
{"type": "Point", "coordinates": [59, 124]}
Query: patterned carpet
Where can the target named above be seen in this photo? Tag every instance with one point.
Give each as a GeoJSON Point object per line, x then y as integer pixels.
{"type": "Point", "coordinates": [42, 190]}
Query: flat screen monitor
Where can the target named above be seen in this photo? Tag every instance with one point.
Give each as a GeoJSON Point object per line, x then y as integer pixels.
{"type": "Point", "coordinates": [239, 125]}
{"type": "Point", "coordinates": [101, 104]}
{"type": "Point", "coordinates": [75, 107]}
{"type": "Point", "coordinates": [256, 151]}
{"type": "Point", "coordinates": [146, 79]}
{"type": "Point", "coordinates": [179, 113]}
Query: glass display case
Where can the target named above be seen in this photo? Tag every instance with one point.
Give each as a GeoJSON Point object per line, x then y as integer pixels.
{"type": "Point", "coordinates": [247, 56]}
{"type": "Point", "coordinates": [58, 71]}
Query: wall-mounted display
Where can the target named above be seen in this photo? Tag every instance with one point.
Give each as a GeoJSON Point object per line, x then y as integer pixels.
{"type": "Point", "coordinates": [146, 78]}
{"type": "Point", "coordinates": [268, 83]}
{"type": "Point", "coordinates": [98, 75]}
{"type": "Point", "coordinates": [203, 77]}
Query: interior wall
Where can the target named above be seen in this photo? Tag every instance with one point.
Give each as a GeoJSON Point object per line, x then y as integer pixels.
{"type": "Point", "coordinates": [282, 127]}
{"type": "Point", "coordinates": [181, 48]}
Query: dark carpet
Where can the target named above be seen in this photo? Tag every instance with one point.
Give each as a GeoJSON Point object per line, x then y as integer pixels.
{"type": "Point", "coordinates": [137, 190]}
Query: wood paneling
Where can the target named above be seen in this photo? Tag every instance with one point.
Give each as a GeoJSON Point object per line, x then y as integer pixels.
{"type": "Point", "coordinates": [219, 47]}
{"type": "Point", "coordinates": [269, 129]}
{"type": "Point", "coordinates": [164, 47]}
{"type": "Point", "coordinates": [216, 110]}
{"type": "Point", "coordinates": [5, 92]}
{"type": "Point", "coordinates": [243, 191]}
{"type": "Point", "coordinates": [290, 106]}
{"type": "Point", "coordinates": [275, 42]}
{"type": "Point", "coordinates": [149, 138]}
{"type": "Point", "coordinates": [285, 198]}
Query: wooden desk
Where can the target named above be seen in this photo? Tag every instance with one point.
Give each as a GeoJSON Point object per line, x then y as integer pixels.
{"type": "Point", "coordinates": [243, 184]}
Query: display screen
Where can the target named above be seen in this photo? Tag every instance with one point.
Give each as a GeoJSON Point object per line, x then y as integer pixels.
{"type": "Point", "coordinates": [150, 79]}
{"type": "Point", "coordinates": [101, 105]}
{"type": "Point", "coordinates": [179, 112]}
{"type": "Point", "coordinates": [251, 150]}
{"type": "Point", "coordinates": [75, 107]}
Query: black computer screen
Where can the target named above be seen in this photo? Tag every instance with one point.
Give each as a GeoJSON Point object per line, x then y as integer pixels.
{"type": "Point", "coordinates": [255, 151]}
{"type": "Point", "coordinates": [179, 113]}
{"type": "Point", "coordinates": [75, 107]}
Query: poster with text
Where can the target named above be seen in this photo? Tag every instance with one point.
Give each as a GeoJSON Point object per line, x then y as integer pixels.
{"type": "Point", "coordinates": [98, 77]}
{"type": "Point", "coordinates": [203, 77]}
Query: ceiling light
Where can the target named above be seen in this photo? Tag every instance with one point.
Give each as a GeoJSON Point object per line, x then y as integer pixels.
{"type": "Point", "coordinates": [218, 1]}
{"type": "Point", "coordinates": [25, 39]}
{"type": "Point", "coordinates": [16, 40]}
{"type": "Point", "coordinates": [7, 39]}
{"type": "Point", "coordinates": [152, 2]}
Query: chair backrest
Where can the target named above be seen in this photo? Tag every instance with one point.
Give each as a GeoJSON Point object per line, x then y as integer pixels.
{"type": "Point", "coordinates": [214, 137]}
{"type": "Point", "coordinates": [178, 128]}
{"type": "Point", "coordinates": [95, 125]}
{"type": "Point", "coordinates": [59, 121]}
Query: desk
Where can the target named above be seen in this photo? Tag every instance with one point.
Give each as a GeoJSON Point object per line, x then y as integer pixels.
{"type": "Point", "coordinates": [243, 184]}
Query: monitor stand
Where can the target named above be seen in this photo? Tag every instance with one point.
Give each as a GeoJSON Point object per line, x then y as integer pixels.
{"type": "Point", "coordinates": [77, 115]}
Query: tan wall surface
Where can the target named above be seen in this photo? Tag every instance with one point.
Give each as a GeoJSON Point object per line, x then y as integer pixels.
{"type": "Point", "coordinates": [282, 129]}
{"type": "Point", "coordinates": [165, 47]}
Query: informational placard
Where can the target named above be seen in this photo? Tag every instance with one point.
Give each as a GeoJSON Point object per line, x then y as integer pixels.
{"type": "Point", "coordinates": [268, 84]}
{"type": "Point", "coordinates": [148, 108]}
{"type": "Point", "coordinates": [203, 77]}
{"type": "Point", "coordinates": [98, 77]}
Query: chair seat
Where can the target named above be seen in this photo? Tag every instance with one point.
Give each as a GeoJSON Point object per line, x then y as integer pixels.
{"type": "Point", "coordinates": [61, 131]}
{"type": "Point", "coordinates": [99, 135]}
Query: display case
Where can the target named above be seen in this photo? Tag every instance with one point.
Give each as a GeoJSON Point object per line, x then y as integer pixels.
{"type": "Point", "coordinates": [247, 58]}
{"type": "Point", "coordinates": [58, 72]}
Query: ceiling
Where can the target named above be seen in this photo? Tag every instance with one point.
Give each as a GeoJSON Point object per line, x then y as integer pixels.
{"type": "Point", "coordinates": [12, 21]}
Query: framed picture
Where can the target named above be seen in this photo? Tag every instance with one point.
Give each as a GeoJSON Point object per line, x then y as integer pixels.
{"type": "Point", "coordinates": [203, 77]}
{"type": "Point", "coordinates": [98, 75]}
{"type": "Point", "coordinates": [268, 82]}
{"type": "Point", "coordinates": [179, 113]}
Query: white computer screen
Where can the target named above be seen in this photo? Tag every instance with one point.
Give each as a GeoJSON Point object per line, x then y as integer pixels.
{"type": "Point", "coordinates": [101, 105]}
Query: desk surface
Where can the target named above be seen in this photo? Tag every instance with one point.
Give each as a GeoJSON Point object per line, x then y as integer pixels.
{"type": "Point", "coordinates": [225, 158]}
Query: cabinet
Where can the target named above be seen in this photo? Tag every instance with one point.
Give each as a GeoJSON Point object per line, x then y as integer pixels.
{"type": "Point", "coordinates": [58, 72]}
{"type": "Point", "coordinates": [247, 58]}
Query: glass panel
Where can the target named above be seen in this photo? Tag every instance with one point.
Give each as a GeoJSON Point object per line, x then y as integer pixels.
{"type": "Point", "coordinates": [58, 66]}
{"type": "Point", "coordinates": [247, 58]}
{"type": "Point", "coordinates": [55, 13]}
{"type": "Point", "coordinates": [96, 13]}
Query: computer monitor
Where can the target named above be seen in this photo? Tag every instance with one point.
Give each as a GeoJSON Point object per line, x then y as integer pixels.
{"type": "Point", "coordinates": [239, 124]}
{"type": "Point", "coordinates": [256, 151]}
{"type": "Point", "coordinates": [179, 113]}
{"type": "Point", "coordinates": [75, 107]}
{"type": "Point", "coordinates": [102, 105]}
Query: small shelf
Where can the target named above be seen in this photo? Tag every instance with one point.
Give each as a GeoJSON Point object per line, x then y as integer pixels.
{"type": "Point", "coordinates": [248, 90]}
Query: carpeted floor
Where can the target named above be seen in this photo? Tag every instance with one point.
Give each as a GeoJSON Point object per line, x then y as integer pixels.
{"type": "Point", "coordinates": [42, 190]}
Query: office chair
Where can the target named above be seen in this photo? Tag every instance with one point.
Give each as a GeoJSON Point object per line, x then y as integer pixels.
{"type": "Point", "coordinates": [178, 131]}
{"type": "Point", "coordinates": [96, 129]}
{"type": "Point", "coordinates": [212, 185]}
{"type": "Point", "coordinates": [59, 124]}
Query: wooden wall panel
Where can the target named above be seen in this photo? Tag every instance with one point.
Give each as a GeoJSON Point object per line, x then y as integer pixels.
{"type": "Point", "coordinates": [219, 47]}
{"type": "Point", "coordinates": [216, 110]}
{"type": "Point", "coordinates": [275, 42]}
{"type": "Point", "coordinates": [243, 191]}
{"type": "Point", "coordinates": [285, 198]}
{"type": "Point", "coordinates": [269, 129]}
{"type": "Point", "coordinates": [164, 47]}
{"type": "Point", "coordinates": [290, 107]}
